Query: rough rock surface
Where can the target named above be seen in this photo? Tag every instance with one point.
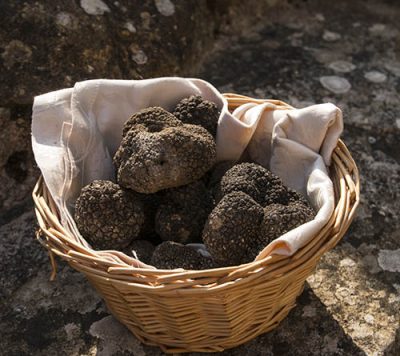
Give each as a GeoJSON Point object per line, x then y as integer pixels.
{"type": "Point", "coordinates": [51, 44]}
{"type": "Point", "coordinates": [351, 305]}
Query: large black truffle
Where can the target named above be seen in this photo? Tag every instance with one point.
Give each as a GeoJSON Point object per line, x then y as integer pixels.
{"type": "Point", "coordinates": [183, 212]}
{"type": "Point", "coordinates": [197, 111]}
{"type": "Point", "coordinates": [149, 161]}
{"type": "Point", "coordinates": [107, 216]}
{"type": "Point", "coordinates": [171, 255]}
{"type": "Point", "coordinates": [231, 230]}
{"type": "Point", "coordinates": [256, 181]}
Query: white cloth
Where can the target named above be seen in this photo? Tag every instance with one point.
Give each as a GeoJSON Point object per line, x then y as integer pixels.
{"type": "Point", "coordinates": [76, 131]}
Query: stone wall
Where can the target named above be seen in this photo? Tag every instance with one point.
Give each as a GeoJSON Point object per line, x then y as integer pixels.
{"type": "Point", "coordinates": [51, 44]}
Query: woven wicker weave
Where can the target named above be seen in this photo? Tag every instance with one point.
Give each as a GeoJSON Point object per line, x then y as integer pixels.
{"type": "Point", "coordinates": [209, 310]}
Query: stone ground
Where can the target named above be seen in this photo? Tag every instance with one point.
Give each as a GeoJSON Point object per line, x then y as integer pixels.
{"type": "Point", "coordinates": [348, 54]}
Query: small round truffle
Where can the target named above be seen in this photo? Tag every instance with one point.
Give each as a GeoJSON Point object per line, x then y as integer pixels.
{"type": "Point", "coordinates": [108, 216]}
{"type": "Point", "coordinates": [279, 219]}
{"type": "Point", "coordinates": [197, 111]}
{"type": "Point", "coordinates": [142, 248]}
{"type": "Point", "coordinates": [258, 182]}
{"type": "Point", "coordinates": [148, 162]}
{"type": "Point", "coordinates": [232, 228]}
{"type": "Point", "coordinates": [183, 212]}
{"type": "Point", "coordinates": [171, 255]}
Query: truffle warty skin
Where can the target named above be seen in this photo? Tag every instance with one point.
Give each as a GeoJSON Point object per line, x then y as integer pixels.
{"type": "Point", "coordinates": [254, 209]}
{"type": "Point", "coordinates": [108, 216]}
{"type": "Point", "coordinates": [155, 156]}
{"type": "Point", "coordinates": [197, 111]}
{"type": "Point", "coordinates": [171, 255]}
{"type": "Point", "coordinates": [232, 228]}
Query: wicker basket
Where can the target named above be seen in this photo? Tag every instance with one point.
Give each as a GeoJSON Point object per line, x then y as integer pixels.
{"type": "Point", "coordinates": [210, 310]}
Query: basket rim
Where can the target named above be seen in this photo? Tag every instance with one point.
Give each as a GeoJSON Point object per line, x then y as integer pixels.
{"type": "Point", "coordinates": [117, 267]}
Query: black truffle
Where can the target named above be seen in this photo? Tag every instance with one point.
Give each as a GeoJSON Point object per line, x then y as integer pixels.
{"type": "Point", "coordinates": [232, 228]}
{"type": "Point", "coordinates": [279, 219]}
{"type": "Point", "coordinates": [256, 181]}
{"type": "Point", "coordinates": [149, 161]}
{"type": "Point", "coordinates": [183, 212]}
{"type": "Point", "coordinates": [197, 111]}
{"type": "Point", "coordinates": [108, 216]}
{"type": "Point", "coordinates": [144, 250]}
{"type": "Point", "coordinates": [153, 119]}
{"type": "Point", "coordinates": [171, 255]}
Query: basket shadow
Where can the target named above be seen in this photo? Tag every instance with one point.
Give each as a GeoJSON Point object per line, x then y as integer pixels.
{"type": "Point", "coordinates": [309, 329]}
{"type": "Point", "coordinates": [394, 347]}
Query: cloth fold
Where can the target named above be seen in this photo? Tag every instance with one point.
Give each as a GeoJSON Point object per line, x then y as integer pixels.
{"type": "Point", "coordinates": [76, 131]}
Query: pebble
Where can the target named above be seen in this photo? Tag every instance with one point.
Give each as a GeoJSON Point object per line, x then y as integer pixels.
{"type": "Point", "coordinates": [371, 263]}
{"type": "Point", "coordinates": [146, 19]}
{"type": "Point", "coordinates": [309, 311]}
{"type": "Point", "coordinates": [342, 66]}
{"type": "Point", "coordinates": [375, 76]}
{"type": "Point", "coordinates": [369, 318]}
{"type": "Point", "coordinates": [398, 123]}
{"type": "Point", "coordinates": [331, 345]}
{"type": "Point", "coordinates": [371, 140]}
{"type": "Point", "coordinates": [95, 7]}
{"type": "Point", "coordinates": [165, 7]}
{"type": "Point", "coordinates": [389, 260]}
{"type": "Point", "coordinates": [320, 17]}
{"type": "Point", "coordinates": [337, 85]}
{"type": "Point", "coordinates": [139, 57]}
{"type": "Point", "coordinates": [114, 338]}
{"type": "Point", "coordinates": [64, 19]}
{"type": "Point", "coordinates": [377, 28]}
{"type": "Point", "coordinates": [393, 67]}
{"type": "Point", "coordinates": [130, 27]}
{"type": "Point", "coordinates": [72, 330]}
{"type": "Point", "coordinates": [347, 262]}
{"type": "Point", "coordinates": [331, 36]}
